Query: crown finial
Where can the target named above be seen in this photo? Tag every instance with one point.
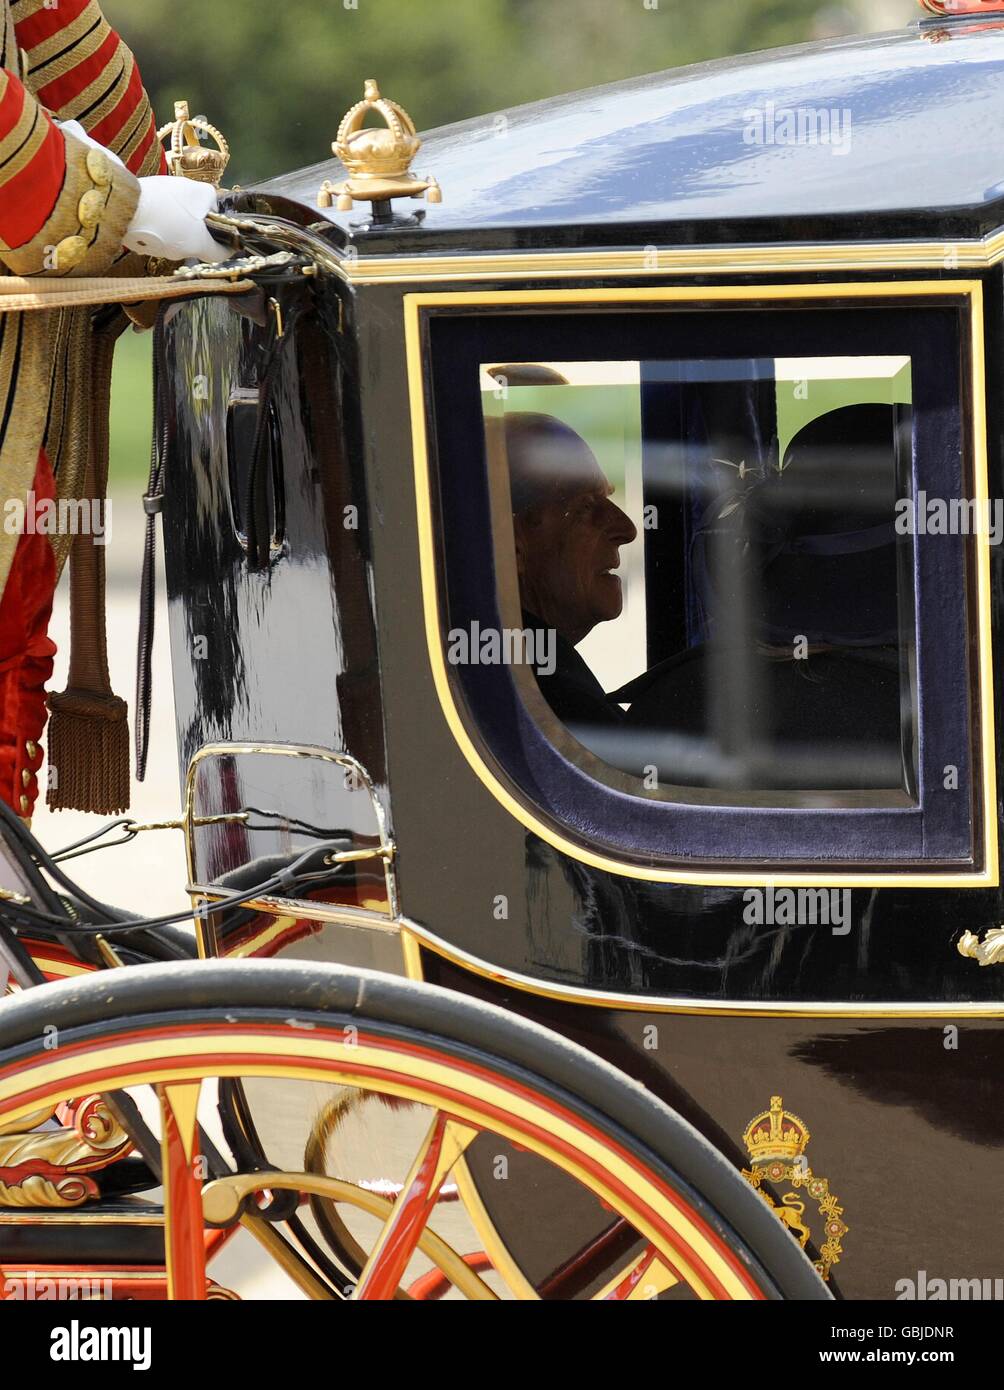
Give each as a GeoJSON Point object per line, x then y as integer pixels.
{"type": "Point", "coordinates": [378, 159]}
{"type": "Point", "coordinates": [188, 157]}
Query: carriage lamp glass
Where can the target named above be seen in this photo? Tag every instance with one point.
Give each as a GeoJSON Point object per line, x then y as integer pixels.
{"type": "Point", "coordinates": [254, 809]}
{"type": "Point", "coordinates": [714, 564]}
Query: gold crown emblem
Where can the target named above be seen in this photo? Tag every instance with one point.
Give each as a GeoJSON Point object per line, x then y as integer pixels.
{"type": "Point", "coordinates": [372, 152]}
{"type": "Point", "coordinates": [775, 1133]}
{"type": "Point", "coordinates": [188, 157]}
{"type": "Point", "coordinates": [378, 158]}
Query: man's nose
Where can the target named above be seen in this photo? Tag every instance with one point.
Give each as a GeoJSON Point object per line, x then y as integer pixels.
{"type": "Point", "coordinates": [618, 525]}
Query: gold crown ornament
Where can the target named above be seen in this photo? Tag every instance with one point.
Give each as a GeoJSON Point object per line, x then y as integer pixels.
{"type": "Point", "coordinates": [775, 1134]}
{"type": "Point", "coordinates": [188, 157]}
{"type": "Point", "coordinates": [378, 158]}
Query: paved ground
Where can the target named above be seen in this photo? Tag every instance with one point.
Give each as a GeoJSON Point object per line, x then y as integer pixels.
{"type": "Point", "coordinates": [149, 873]}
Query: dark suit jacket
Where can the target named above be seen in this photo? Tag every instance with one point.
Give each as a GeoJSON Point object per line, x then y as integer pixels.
{"type": "Point", "coordinates": [572, 691]}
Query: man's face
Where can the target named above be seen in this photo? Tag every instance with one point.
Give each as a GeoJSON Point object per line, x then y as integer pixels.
{"type": "Point", "coordinates": [566, 553]}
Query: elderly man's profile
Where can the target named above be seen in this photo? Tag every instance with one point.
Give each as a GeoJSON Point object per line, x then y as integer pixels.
{"type": "Point", "coordinates": [568, 533]}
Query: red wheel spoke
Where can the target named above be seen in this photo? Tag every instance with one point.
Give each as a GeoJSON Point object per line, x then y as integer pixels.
{"type": "Point", "coordinates": [429, 1287]}
{"type": "Point", "coordinates": [646, 1277]}
{"type": "Point", "coordinates": [631, 1280]}
{"type": "Point", "coordinates": [184, 1229]}
{"type": "Point", "coordinates": [442, 1146]}
{"type": "Point", "coordinates": [575, 1275]}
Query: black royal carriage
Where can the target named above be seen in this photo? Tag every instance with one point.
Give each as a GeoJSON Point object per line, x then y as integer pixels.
{"type": "Point", "coordinates": [771, 334]}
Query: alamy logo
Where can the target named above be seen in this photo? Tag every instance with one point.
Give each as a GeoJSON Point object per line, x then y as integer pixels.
{"type": "Point", "coordinates": [83, 1343]}
{"type": "Point", "coordinates": [799, 907]}
{"type": "Point", "coordinates": [927, 1289]}
{"type": "Point", "coordinates": [508, 646]}
{"type": "Point", "coordinates": [951, 516]}
{"type": "Point", "coordinates": [35, 1289]}
{"type": "Point", "coordinates": [69, 516]}
{"type": "Point", "coordinates": [771, 124]}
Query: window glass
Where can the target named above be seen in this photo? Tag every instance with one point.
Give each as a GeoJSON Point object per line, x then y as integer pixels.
{"type": "Point", "coordinates": [255, 812]}
{"type": "Point", "coordinates": [709, 560]}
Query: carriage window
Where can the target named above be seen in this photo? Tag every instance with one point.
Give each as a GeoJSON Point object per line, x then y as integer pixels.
{"type": "Point", "coordinates": [709, 565]}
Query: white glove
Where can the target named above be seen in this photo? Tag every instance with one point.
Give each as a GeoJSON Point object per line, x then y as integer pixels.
{"type": "Point", "coordinates": [170, 220]}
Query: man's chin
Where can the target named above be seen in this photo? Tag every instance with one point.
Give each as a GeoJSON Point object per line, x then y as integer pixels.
{"type": "Point", "coordinates": [609, 600]}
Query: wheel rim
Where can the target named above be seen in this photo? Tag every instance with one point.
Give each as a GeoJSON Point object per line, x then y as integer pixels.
{"type": "Point", "coordinates": [464, 1094]}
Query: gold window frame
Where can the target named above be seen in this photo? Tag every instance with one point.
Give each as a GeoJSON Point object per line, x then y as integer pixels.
{"type": "Point", "coordinates": [971, 291]}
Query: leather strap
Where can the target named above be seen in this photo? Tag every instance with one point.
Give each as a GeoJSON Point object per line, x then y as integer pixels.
{"type": "Point", "coordinates": [153, 500]}
{"type": "Point", "coordinates": [20, 295]}
{"type": "Point", "coordinates": [89, 647]}
{"type": "Point", "coordinates": [259, 539]}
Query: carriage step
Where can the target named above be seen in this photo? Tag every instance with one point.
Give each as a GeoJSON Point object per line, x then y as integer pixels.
{"type": "Point", "coordinates": [120, 1232]}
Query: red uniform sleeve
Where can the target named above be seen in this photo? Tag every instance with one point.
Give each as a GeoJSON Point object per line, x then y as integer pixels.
{"type": "Point", "coordinates": [79, 69]}
{"type": "Point", "coordinates": [65, 206]}
{"type": "Point", "coordinates": [32, 163]}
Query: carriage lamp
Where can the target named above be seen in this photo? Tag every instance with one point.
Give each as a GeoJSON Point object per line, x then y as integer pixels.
{"type": "Point", "coordinates": [188, 157]}
{"type": "Point", "coordinates": [378, 159]}
{"type": "Point", "coordinates": [944, 7]}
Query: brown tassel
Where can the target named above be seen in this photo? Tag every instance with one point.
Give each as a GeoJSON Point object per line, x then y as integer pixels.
{"type": "Point", "coordinates": [89, 731]}
{"type": "Point", "coordinates": [89, 753]}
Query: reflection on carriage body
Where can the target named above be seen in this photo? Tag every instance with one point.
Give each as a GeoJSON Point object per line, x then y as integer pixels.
{"type": "Point", "coordinates": [587, 584]}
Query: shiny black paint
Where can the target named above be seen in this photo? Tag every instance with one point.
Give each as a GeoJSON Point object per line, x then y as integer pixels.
{"type": "Point", "coordinates": [666, 159]}
{"type": "Point", "coordinates": [286, 654]}
{"type": "Point", "coordinates": [271, 673]}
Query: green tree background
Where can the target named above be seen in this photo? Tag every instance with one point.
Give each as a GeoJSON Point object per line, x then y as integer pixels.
{"type": "Point", "coordinates": [276, 76]}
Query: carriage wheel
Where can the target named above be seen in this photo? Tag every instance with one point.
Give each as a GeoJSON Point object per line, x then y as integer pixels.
{"type": "Point", "coordinates": [680, 1217]}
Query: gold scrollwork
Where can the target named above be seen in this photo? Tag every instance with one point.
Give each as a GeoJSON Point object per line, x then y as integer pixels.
{"type": "Point", "coordinates": [49, 1168]}
{"type": "Point", "coordinates": [989, 951]}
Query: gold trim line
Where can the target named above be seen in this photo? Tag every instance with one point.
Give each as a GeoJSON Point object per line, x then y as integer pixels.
{"type": "Point", "coordinates": [414, 937]}
{"type": "Point", "coordinates": [793, 258]}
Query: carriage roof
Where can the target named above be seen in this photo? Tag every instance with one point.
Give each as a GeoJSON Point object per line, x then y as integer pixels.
{"type": "Point", "coordinates": [705, 153]}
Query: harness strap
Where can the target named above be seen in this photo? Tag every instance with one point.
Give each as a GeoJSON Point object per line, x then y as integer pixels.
{"type": "Point", "coordinates": [152, 503]}
{"type": "Point", "coordinates": [19, 294]}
